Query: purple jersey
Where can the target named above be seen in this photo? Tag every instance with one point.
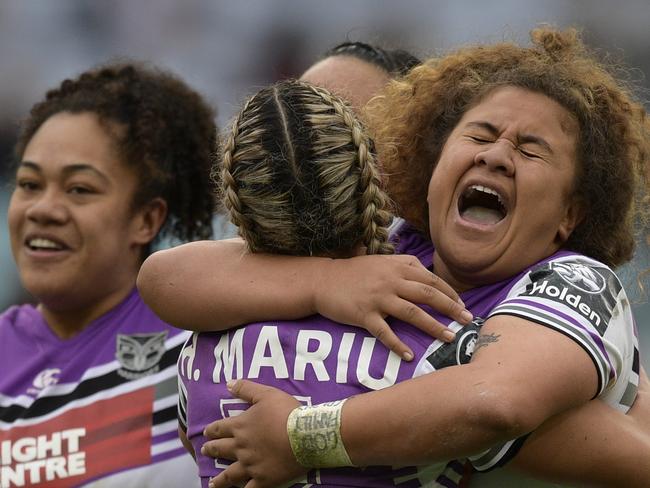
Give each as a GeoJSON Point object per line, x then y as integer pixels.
{"type": "Point", "coordinates": [99, 408]}
{"type": "Point", "coordinates": [317, 360]}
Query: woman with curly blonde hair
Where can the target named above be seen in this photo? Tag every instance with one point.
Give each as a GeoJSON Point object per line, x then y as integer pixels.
{"type": "Point", "coordinates": [531, 161]}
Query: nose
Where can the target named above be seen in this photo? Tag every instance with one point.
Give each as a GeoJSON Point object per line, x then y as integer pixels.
{"type": "Point", "coordinates": [48, 208]}
{"type": "Point", "coordinates": [497, 156]}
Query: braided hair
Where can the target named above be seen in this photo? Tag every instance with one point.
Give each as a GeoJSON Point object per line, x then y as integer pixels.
{"type": "Point", "coordinates": [168, 136]}
{"type": "Point", "coordinates": [298, 175]}
{"type": "Point", "coordinates": [393, 61]}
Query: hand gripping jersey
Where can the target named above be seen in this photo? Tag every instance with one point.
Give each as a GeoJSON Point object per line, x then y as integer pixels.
{"type": "Point", "coordinates": [317, 360]}
{"type": "Point", "coordinates": [98, 409]}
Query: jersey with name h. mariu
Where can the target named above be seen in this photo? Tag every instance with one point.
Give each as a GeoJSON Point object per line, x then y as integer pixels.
{"type": "Point", "coordinates": [318, 360]}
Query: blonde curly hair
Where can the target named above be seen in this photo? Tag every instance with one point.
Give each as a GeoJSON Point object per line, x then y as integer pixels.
{"type": "Point", "coordinates": [415, 115]}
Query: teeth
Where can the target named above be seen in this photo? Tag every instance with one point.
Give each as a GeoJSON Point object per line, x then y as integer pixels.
{"type": "Point", "coordinates": [487, 190]}
{"type": "Point", "coordinates": [43, 243]}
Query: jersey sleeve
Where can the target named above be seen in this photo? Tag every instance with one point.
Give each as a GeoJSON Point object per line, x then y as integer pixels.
{"type": "Point", "coordinates": [188, 350]}
{"type": "Point", "coordinates": [182, 405]}
{"type": "Point", "coordinates": [584, 300]}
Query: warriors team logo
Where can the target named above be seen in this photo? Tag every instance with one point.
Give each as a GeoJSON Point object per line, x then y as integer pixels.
{"type": "Point", "coordinates": [580, 276]}
{"type": "Point", "coordinates": [139, 354]}
{"type": "Point", "coordinates": [460, 350]}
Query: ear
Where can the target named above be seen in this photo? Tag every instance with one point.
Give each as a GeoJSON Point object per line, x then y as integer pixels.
{"type": "Point", "coordinates": [148, 220]}
{"type": "Point", "coordinates": [573, 216]}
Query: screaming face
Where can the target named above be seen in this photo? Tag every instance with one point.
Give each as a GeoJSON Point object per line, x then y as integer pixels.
{"type": "Point", "coordinates": [500, 197]}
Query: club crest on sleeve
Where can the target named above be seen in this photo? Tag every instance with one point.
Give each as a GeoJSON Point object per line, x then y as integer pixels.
{"type": "Point", "coordinates": [583, 277]}
{"type": "Point", "coordinates": [139, 354]}
{"type": "Point", "coordinates": [460, 350]}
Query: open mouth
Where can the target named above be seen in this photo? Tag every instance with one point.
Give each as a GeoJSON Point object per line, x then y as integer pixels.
{"type": "Point", "coordinates": [482, 205]}
{"type": "Point", "coordinates": [44, 244]}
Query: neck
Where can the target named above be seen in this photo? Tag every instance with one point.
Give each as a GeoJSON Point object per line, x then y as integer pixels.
{"type": "Point", "coordinates": [458, 282]}
{"type": "Point", "coordinates": [68, 321]}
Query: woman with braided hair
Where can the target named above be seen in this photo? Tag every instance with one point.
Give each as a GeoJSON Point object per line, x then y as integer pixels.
{"type": "Point", "coordinates": [298, 177]}
{"type": "Point", "coordinates": [88, 389]}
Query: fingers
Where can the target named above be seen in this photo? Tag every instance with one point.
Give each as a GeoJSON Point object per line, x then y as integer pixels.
{"type": "Point", "coordinates": [219, 429]}
{"type": "Point", "coordinates": [417, 292]}
{"type": "Point", "coordinates": [416, 272]}
{"type": "Point", "coordinates": [248, 391]}
{"type": "Point", "coordinates": [220, 448]}
{"type": "Point", "coordinates": [406, 311]}
{"type": "Point", "coordinates": [378, 327]}
{"type": "Point", "coordinates": [233, 475]}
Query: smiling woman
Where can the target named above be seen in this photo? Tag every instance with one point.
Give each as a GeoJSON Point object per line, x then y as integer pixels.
{"type": "Point", "coordinates": [88, 378]}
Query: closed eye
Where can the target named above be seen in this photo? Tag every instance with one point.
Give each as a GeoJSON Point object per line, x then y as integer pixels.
{"type": "Point", "coordinates": [80, 190]}
{"type": "Point", "coordinates": [480, 140]}
{"type": "Point", "coordinates": [529, 154]}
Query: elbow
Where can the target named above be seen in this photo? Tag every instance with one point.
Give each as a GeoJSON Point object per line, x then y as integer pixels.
{"type": "Point", "coordinates": [503, 414]}
{"type": "Point", "coordinates": [152, 284]}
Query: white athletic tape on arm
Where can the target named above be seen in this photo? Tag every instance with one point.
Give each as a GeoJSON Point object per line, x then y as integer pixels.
{"type": "Point", "coordinates": [315, 435]}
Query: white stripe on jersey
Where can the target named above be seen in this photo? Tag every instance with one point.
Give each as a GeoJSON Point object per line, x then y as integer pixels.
{"type": "Point", "coordinates": [127, 387]}
{"type": "Point", "coordinates": [59, 389]}
{"type": "Point", "coordinates": [166, 446]}
{"type": "Point", "coordinates": [165, 427]}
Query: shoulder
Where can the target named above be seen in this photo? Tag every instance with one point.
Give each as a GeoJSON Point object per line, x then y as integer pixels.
{"type": "Point", "coordinates": [18, 315]}
{"type": "Point", "coordinates": [133, 316]}
{"type": "Point", "coordinates": [587, 290]}
{"type": "Point", "coordinates": [409, 240]}
{"type": "Point", "coordinates": [583, 299]}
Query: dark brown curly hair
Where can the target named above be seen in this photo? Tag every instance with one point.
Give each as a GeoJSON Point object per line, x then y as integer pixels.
{"type": "Point", "coordinates": [416, 114]}
{"type": "Point", "coordinates": [168, 137]}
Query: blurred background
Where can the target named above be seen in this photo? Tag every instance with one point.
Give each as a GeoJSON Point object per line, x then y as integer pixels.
{"type": "Point", "coordinates": [228, 49]}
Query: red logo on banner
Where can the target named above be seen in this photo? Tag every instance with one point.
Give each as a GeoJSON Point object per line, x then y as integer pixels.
{"type": "Point", "coordinates": [80, 444]}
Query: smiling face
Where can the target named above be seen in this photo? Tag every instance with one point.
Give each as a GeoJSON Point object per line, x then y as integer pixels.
{"type": "Point", "coordinates": [75, 238]}
{"type": "Point", "coordinates": [500, 197]}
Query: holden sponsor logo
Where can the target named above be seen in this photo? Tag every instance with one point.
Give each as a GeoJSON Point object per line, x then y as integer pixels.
{"type": "Point", "coordinates": [32, 461]}
{"type": "Point", "coordinates": [583, 277]}
{"type": "Point", "coordinates": [139, 354]}
{"type": "Point", "coordinates": [574, 300]}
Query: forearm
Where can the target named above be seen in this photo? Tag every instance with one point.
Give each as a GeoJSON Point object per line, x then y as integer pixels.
{"type": "Point", "coordinates": [463, 410]}
{"type": "Point", "coordinates": [593, 444]}
{"type": "Point", "coordinates": [215, 285]}
{"type": "Point", "coordinates": [432, 418]}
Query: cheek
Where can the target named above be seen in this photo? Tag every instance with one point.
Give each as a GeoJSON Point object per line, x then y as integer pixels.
{"type": "Point", "coordinates": [14, 218]}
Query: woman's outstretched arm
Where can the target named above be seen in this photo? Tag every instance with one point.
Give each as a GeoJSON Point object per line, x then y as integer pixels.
{"type": "Point", "coordinates": [593, 444]}
{"type": "Point", "coordinates": [521, 374]}
{"type": "Point", "coordinates": [216, 285]}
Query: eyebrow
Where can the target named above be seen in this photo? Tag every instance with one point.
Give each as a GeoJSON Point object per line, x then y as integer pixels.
{"type": "Point", "coordinates": [68, 169]}
{"type": "Point", "coordinates": [521, 139]}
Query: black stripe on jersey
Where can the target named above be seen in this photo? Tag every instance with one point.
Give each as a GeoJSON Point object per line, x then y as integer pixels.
{"type": "Point", "coordinates": [44, 405]}
{"type": "Point", "coordinates": [165, 415]}
{"type": "Point", "coordinates": [561, 331]}
{"type": "Point", "coordinates": [635, 361]}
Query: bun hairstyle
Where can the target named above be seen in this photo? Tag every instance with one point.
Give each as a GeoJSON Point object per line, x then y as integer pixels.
{"type": "Point", "coordinates": [298, 175]}
{"type": "Point", "coordinates": [395, 62]}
